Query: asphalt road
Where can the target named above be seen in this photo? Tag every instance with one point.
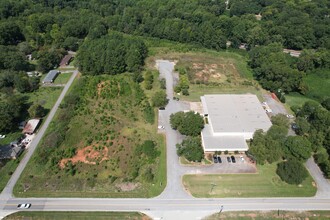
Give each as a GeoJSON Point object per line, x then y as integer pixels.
{"type": "Point", "coordinates": [174, 202]}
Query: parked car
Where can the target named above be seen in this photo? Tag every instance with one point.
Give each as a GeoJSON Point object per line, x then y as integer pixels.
{"type": "Point", "coordinates": [2, 136]}
{"type": "Point", "coordinates": [215, 159]}
{"type": "Point", "coordinates": [24, 206]}
{"type": "Point", "coordinates": [233, 159]}
{"type": "Point", "coordinates": [161, 127]}
{"type": "Point", "coordinates": [228, 159]}
{"type": "Point", "coordinates": [161, 108]}
{"type": "Point", "coordinates": [219, 158]}
{"type": "Point", "coordinates": [294, 126]}
{"type": "Point", "coordinates": [241, 158]}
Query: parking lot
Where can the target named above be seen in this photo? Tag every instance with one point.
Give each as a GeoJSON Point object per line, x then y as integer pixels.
{"type": "Point", "coordinates": [240, 166]}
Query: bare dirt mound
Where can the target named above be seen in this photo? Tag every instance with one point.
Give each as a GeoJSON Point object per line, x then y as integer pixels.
{"type": "Point", "coordinates": [88, 155]}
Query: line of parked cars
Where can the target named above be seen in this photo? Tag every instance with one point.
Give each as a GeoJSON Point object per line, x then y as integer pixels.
{"type": "Point", "coordinates": [230, 159]}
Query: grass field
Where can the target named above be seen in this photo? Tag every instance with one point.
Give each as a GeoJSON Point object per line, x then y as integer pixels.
{"type": "Point", "coordinates": [264, 184]}
{"type": "Point", "coordinates": [296, 99]}
{"type": "Point", "coordinates": [63, 78]}
{"type": "Point", "coordinates": [46, 96]}
{"type": "Point", "coordinates": [318, 84]}
{"type": "Point", "coordinates": [97, 157]}
{"type": "Point", "coordinates": [76, 216]}
{"type": "Point", "coordinates": [268, 215]}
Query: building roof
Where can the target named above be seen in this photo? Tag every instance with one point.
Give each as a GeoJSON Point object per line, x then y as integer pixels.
{"type": "Point", "coordinates": [51, 75]}
{"type": "Point", "coordinates": [66, 59]}
{"type": "Point", "coordinates": [222, 142]}
{"type": "Point", "coordinates": [235, 113]}
{"type": "Point", "coordinates": [31, 126]}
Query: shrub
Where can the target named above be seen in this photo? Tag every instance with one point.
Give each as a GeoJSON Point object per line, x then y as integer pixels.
{"type": "Point", "coordinates": [292, 171]}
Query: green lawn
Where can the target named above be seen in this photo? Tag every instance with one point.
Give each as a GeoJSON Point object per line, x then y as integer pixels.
{"type": "Point", "coordinates": [62, 78]}
{"type": "Point", "coordinates": [268, 215]}
{"type": "Point", "coordinates": [46, 96]}
{"type": "Point", "coordinates": [264, 184]}
{"type": "Point", "coordinates": [77, 215]}
{"type": "Point", "coordinates": [296, 99]}
{"type": "Point", "coordinates": [318, 84]}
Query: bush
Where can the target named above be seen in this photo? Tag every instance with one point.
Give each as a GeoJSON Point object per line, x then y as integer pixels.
{"type": "Point", "coordinates": [292, 171]}
{"type": "Point", "coordinates": [191, 149]}
{"type": "Point", "coordinates": [189, 123]}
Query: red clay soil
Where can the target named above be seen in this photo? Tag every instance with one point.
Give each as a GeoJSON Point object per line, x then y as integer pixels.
{"type": "Point", "coordinates": [85, 155]}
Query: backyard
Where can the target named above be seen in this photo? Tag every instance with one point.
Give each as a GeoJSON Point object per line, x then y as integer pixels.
{"type": "Point", "coordinates": [265, 183]}
{"type": "Point", "coordinates": [103, 150]}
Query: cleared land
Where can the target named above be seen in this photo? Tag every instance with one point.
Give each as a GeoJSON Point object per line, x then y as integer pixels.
{"type": "Point", "coordinates": [77, 215]}
{"type": "Point", "coordinates": [212, 72]}
{"type": "Point", "coordinates": [264, 184]}
{"type": "Point", "coordinates": [93, 148]}
{"type": "Point", "coordinates": [63, 78]}
{"type": "Point", "coordinates": [271, 215]}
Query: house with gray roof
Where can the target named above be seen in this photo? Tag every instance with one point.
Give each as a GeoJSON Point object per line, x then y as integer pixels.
{"type": "Point", "coordinates": [51, 76]}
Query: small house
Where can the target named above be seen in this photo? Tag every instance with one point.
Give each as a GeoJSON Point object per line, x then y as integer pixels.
{"type": "Point", "coordinates": [66, 60]}
{"type": "Point", "coordinates": [51, 76]}
{"type": "Point", "coordinates": [31, 126]}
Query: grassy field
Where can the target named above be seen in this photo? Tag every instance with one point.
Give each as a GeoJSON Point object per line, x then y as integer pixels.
{"type": "Point", "coordinates": [296, 99]}
{"type": "Point", "coordinates": [76, 216]}
{"type": "Point", "coordinates": [268, 215]}
{"type": "Point", "coordinates": [318, 84]}
{"type": "Point", "coordinates": [98, 156]}
{"type": "Point", "coordinates": [46, 96]}
{"type": "Point", "coordinates": [264, 184]}
{"type": "Point", "coordinates": [63, 78]}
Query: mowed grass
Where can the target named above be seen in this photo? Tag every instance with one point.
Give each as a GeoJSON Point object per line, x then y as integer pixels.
{"type": "Point", "coordinates": [264, 184]}
{"type": "Point", "coordinates": [110, 128]}
{"type": "Point", "coordinates": [296, 99]}
{"type": "Point", "coordinates": [318, 84]}
{"type": "Point", "coordinates": [46, 96]}
{"type": "Point", "coordinates": [77, 216]}
{"type": "Point", "coordinates": [62, 78]}
{"type": "Point", "coordinates": [280, 214]}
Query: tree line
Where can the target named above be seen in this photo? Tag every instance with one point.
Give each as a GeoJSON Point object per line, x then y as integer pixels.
{"type": "Point", "coordinates": [111, 54]}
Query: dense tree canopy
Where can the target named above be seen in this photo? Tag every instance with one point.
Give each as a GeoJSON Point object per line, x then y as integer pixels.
{"type": "Point", "coordinates": [191, 149]}
{"type": "Point", "coordinates": [111, 54]}
{"type": "Point", "coordinates": [292, 171]}
{"type": "Point", "coordinates": [189, 123]}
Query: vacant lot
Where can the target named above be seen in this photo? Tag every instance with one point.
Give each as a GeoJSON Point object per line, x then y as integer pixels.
{"type": "Point", "coordinates": [264, 184]}
{"type": "Point", "coordinates": [212, 72]}
{"type": "Point", "coordinates": [46, 96]}
{"type": "Point", "coordinates": [271, 215]}
{"type": "Point", "coordinates": [96, 147]}
{"type": "Point", "coordinates": [77, 216]}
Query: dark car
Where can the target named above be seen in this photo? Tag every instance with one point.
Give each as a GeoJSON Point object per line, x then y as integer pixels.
{"type": "Point", "coordinates": [219, 159]}
{"type": "Point", "coordinates": [233, 159]}
{"type": "Point", "coordinates": [228, 159]}
{"type": "Point", "coordinates": [215, 159]}
{"type": "Point", "coordinates": [161, 108]}
{"type": "Point", "coordinates": [294, 126]}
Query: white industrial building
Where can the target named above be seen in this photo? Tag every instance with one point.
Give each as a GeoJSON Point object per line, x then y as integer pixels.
{"type": "Point", "coordinates": [232, 119]}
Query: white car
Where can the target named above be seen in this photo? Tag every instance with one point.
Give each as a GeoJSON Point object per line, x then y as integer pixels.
{"type": "Point", "coordinates": [24, 206]}
{"type": "Point", "coordinates": [161, 127]}
{"type": "Point", "coordinates": [2, 136]}
{"type": "Point", "coordinates": [242, 158]}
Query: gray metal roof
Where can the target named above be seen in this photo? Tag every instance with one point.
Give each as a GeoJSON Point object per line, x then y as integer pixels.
{"type": "Point", "coordinates": [51, 76]}
{"type": "Point", "coordinates": [235, 113]}
{"type": "Point", "coordinates": [222, 142]}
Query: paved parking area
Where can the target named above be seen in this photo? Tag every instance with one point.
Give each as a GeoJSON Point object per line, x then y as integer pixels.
{"type": "Point", "coordinates": [240, 166]}
{"type": "Point", "coordinates": [276, 106]}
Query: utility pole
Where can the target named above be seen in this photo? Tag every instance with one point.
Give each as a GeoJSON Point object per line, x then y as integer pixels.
{"type": "Point", "coordinates": [212, 186]}
{"type": "Point", "coordinates": [221, 208]}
